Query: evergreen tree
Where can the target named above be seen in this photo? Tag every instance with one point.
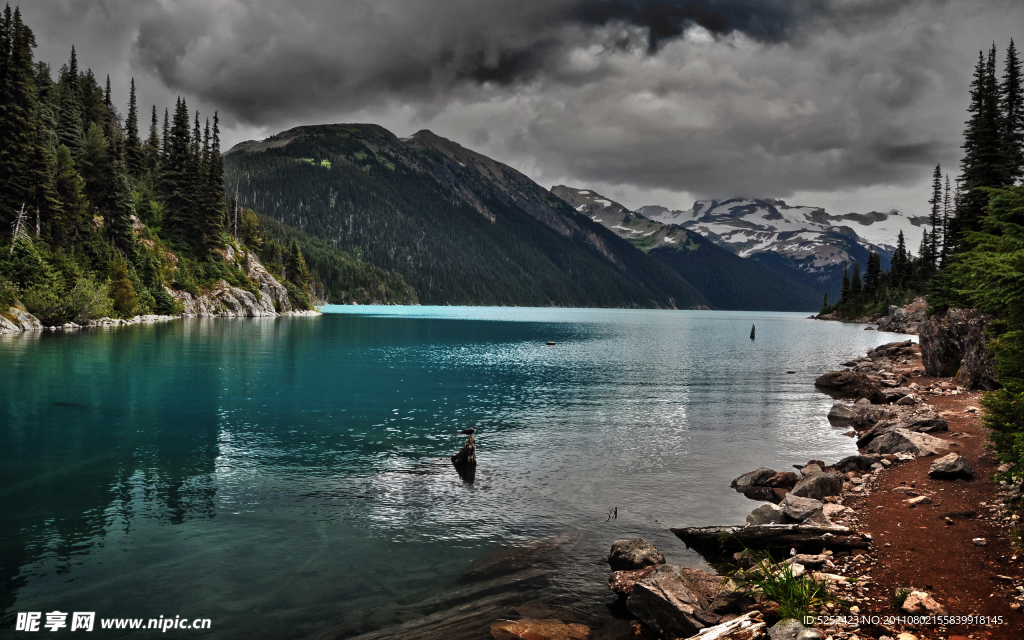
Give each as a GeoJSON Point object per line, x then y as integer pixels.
{"type": "Point", "coordinates": [873, 275]}
{"type": "Point", "coordinates": [213, 186]}
{"type": "Point", "coordinates": [900, 264]}
{"type": "Point", "coordinates": [151, 151]}
{"type": "Point", "coordinates": [1012, 105]}
{"type": "Point", "coordinates": [133, 154]}
{"type": "Point", "coordinates": [824, 305]}
{"type": "Point", "coordinates": [856, 290]}
{"type": "Point", "coordinates": [983, 164]}
{"type": "Point", "coordinates": [69, 123]}
{"type": "Point", "coordinates": [935, 217]}
{"type": "Point", "coordinates": [72, 217]}
{"type": "Point", "coordinates": [947, 212]}
{"type": "Point", "coordinates": [121, 209]}
{"type": "Point", "coordinates": [296, 269]}
{"type": "Point", "coordinates": [96, 165]}
{"type": "Point", "coordinates": [17, 130]}
{"type": "Point", "coordinates": [844, 291]}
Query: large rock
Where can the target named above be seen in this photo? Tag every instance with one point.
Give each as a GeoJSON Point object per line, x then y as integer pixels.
{"type": "Point", "coordinates": [765, 514]}
{"type": "Point", "coordinates": [797, 509]}
{"type": "Point", "coordinates": [905, 319]}
{"type": "Point", "coordinates": [926, 424]}
{"type": "Point", "coordinates": [842, 412]}
{"type": "Point", "coordinates": [850, 384]}
{"type": "Point", "coordinates": [755, 478]}
{"type": "Point", "coordinates": [953, 344]}
{"type": "Point", "coordinates": [903, 441]}
{"type": "Point", "coordinates": [783, 480]}
{"type": "Point", "coordinates": [633, 554]}
{"type": "Point", "coordinates": [791, 629]}
{"type": "Point", "coordinates": [819, 486]}
{"type": "Point", "coordinates": [905, 349]}
{"type": "Point", "coordinates": [920, 603]}
{"type": "Point", "coordinates": [669, 602]}
{"type": "Point", "coordinates": [621, 582]}
{"type": "Point", "coordinates": [749, 626]}
{"type": "Point", "coordinates": [15, 320]}
{"type": "Point", "coordinates": [547, 629]}
{"type": "Point", "coordinates": [951, 467]}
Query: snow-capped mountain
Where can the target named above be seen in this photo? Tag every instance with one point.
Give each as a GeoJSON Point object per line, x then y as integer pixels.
{"type": "Point", "coordinates": [814, 238]}
{"type": "Point", "coordinates": [641, 231]}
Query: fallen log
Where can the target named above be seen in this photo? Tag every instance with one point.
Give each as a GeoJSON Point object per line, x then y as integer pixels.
{"type": "Point", "coordinates": [722, 542]}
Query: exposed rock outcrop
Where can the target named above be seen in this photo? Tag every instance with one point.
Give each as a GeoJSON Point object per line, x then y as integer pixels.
{"type": "Point", "coordinates": [905, 319]}
{"type": "Point", "coordinates": [16, 319]}
{"type": "Point", "coordinates": [953, 344]}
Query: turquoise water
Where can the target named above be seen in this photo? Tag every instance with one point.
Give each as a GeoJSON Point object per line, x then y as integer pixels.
{"type": "Point", "coordinates": [276, 475]}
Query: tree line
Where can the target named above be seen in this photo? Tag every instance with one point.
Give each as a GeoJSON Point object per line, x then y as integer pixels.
{"type": "Point", "coordinates": [993, 158]}
{"type": "Point", "coordinates": [104, 215]}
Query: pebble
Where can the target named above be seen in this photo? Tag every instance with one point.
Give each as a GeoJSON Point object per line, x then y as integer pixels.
{"type": "Point", "coordinates": [979, 542]}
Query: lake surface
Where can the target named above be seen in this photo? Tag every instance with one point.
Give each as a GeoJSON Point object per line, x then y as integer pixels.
{"type": "Point", "coordinates": [276, 475]}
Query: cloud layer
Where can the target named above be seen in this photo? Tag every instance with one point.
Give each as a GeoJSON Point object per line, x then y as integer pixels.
{"type": "Point", "coordinates": [694, 98]}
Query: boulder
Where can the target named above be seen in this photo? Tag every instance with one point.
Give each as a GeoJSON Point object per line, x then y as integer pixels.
{"type": "Point", "coordinates": [905, 319]}
{"type": "Point", "coordinates": [856, 463]}
{"type": "Point", "coordinates": [811, 469]}
{"type": "Point", "coordinates": [927, 424]}
{"type": "Point", "coordinates": [783, 480]}
{"type": "Point", "coordinates": [904, 349]}
{"type": "Point", "coordinates": [633, 554]}
{"type": "Point", "coordinates": [893, 396]}
{"type": "Point", "coordinates": [797, 509]}
{"type": "Point", "coordinates": [766, 514]}
{"type": "Point", "coordinates": [850, 384]}
{"type": "Point", "coordinates": [903, 441]}
{"type": "Point", "coordinates": [951, 467]}
{"type": "Point", "coordinates": [669, 602]}
{"type": "Point", "coordinates": [749, 626]}
{"type": "Point", "coordinates": [547, 629]}
{"type": "Point", "coordinates": [842, 412]}
{"type": "Point", "coordinates": [621, 582]}
{"type": "Point", "coordinates": [16, 319]}
{"type": "Point", "coordinates": [953, 344]}
{"type": "Point", "coordinates": [819, 486]}
{"type": "Point", "coordinates": [755, 478]}
{"type": "Point", "coordinates": [920, 603]}
{"type": "Point", "coordinates": [792, 629]}
{"type": "Point", "coordinates": [862, 405]}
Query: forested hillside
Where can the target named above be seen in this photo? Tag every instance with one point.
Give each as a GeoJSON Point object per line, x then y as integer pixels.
{"type": "Point", "coordinates": [106, 219]}
{"type": "Point", "coordinates": [459, 227]}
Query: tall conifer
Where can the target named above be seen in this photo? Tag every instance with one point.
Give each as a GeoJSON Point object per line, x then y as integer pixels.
{"type": "Point", "coordinates": [935, 217]}
{"type": "Point", "coordinates": [134, 159]}
{"type": "Point", "coordinates": [1012, 105]}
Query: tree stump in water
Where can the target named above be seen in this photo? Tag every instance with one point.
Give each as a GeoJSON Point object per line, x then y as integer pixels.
{"type": "Point", "coordinates": [465, 460]}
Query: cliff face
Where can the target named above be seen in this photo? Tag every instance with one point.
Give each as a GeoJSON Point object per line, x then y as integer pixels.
{"type": "Point", "coordinates": [16, 319]}
{"type": "Point", "coordinates": [269, 299]}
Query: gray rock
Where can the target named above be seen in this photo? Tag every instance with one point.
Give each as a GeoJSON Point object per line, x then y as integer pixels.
{"type": "Point", "coordinates": [765, 514]}
{"type": "Point", "coordinates": [633, 554]}
{"type": "Point", "coordinates": [909, 400]}
{"type": "Point", "coordinates": [927, 424]}
{"type": "Point", "coordinates": [856, 463]}
{"type": "Point", "coordinates": [903, 441]}
{"type": "Point", "coordinates": [755, 478]}
{"type": "Point", "coordinates": [842, 412]}
{"type": "Point", "coordinates": [730, 596]}
{"type": "Point", "coordinates": [921, 603]}
{"type": "Point", "coordinates": [788, 629]}
{"type": "Point", "coordinates": [16, 320]}
{"type": "Point", "coordinates": [668, 602]}
{"type": "Point", "coordinates": [810, 470]}
{"type": "Point", "coordinates": [862, 405]}
{"type": "Point", "coordinates": [951, 467]}
{"type": "Point", "coordinates": [819, 486]}
{"type": "Point", "coordinates": [808, 510]}
{"type": "Point", "coordinates": [953, 344]}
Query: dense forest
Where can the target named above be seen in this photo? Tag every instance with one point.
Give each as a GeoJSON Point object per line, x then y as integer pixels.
{"type": "Point", "coordinates": [458, 227]}
{"type": "Point", "coordinates": [104, 218]}
{"type": "Point", "coordinates": [973, 254]}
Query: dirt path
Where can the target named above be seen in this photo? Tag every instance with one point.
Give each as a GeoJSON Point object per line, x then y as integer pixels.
{"type": "Point", "coordinates": [930, 547]}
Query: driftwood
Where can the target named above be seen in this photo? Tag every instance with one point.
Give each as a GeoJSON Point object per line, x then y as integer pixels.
{"type": "Point", "coordinates": [718, 542]}
{"type": "Point", "coordinates": [465, 460]}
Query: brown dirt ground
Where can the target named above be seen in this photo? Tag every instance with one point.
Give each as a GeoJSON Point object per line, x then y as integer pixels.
{"type": "Point", "coordinates": [919, 549]}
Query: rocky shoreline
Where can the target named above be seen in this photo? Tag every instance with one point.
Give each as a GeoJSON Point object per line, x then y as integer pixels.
{"type": "Point", "coordinates": [221, 301]}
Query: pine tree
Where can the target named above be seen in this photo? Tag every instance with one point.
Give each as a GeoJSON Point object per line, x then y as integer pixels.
{"type": "Point", "coordinates": [947, 212]}
{"type": "Point", "coordinates": [213, 186]}
{"type": "Point", "coordinates": [983, 164]}
{"type": "Point", "coordinates": [17, 125]}
{"type": "Point", "coordinates": [69, 123]}
{"type": "Point", "coordinates": [935, 217]}
{"type": "Point", "coordinates": [133, 155]}
{"type": "Point", "coordinates": [298, 272]}
{"type": "Point", "coordinates": [844, 291]}
{"type": "Point", "coordinates": [1012, 106]}
{"type": "Point", "coordinates": [151, 151]}
{"type": "Point", "coordinates": [72, 218]}
{"type": "Point", "coordinates": [121, 209]}
{"type": "Point", "coordinates": [898, 269]}
{"type": "Point", "coordinates": [872, 276]}
{"type": "Point", "coordinates": [856, 290]}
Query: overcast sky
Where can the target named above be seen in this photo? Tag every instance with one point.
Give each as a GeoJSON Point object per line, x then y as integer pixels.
{"type": "Point", "coordinates": [846, 104]}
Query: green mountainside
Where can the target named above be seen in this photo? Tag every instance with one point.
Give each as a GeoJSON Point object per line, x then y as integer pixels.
{"type": "Point", "coordinates": [458, 227]}
{"type": "Point", "coordinates": [726, 280]}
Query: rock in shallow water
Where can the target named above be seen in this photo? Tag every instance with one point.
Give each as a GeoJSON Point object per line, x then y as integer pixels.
{"type": "Point", "coordinates": [633, 554]}
{"type": "Point", "coordinates": [548, 629]}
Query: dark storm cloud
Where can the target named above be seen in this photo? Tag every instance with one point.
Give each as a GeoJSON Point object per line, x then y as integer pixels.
{"type": "Point", "coordinates": [710, 97]}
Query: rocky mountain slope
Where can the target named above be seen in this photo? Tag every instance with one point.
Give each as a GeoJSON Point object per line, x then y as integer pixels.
{"type": "Point", "coordinates": [805, 243]}
{"type": "Point", "coordinates": [459, 227]}
{"type": "Point", "coordinates": [727, 280]}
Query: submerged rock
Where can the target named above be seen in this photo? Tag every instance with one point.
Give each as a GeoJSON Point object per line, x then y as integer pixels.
{"type": "Point", "coordinates": [547, 629]}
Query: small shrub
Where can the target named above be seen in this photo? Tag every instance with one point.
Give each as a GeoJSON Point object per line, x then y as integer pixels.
{"type": "Point", "coordinates": [900, 597]}
{"type": "Point", "coordinates": [796, 595]}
